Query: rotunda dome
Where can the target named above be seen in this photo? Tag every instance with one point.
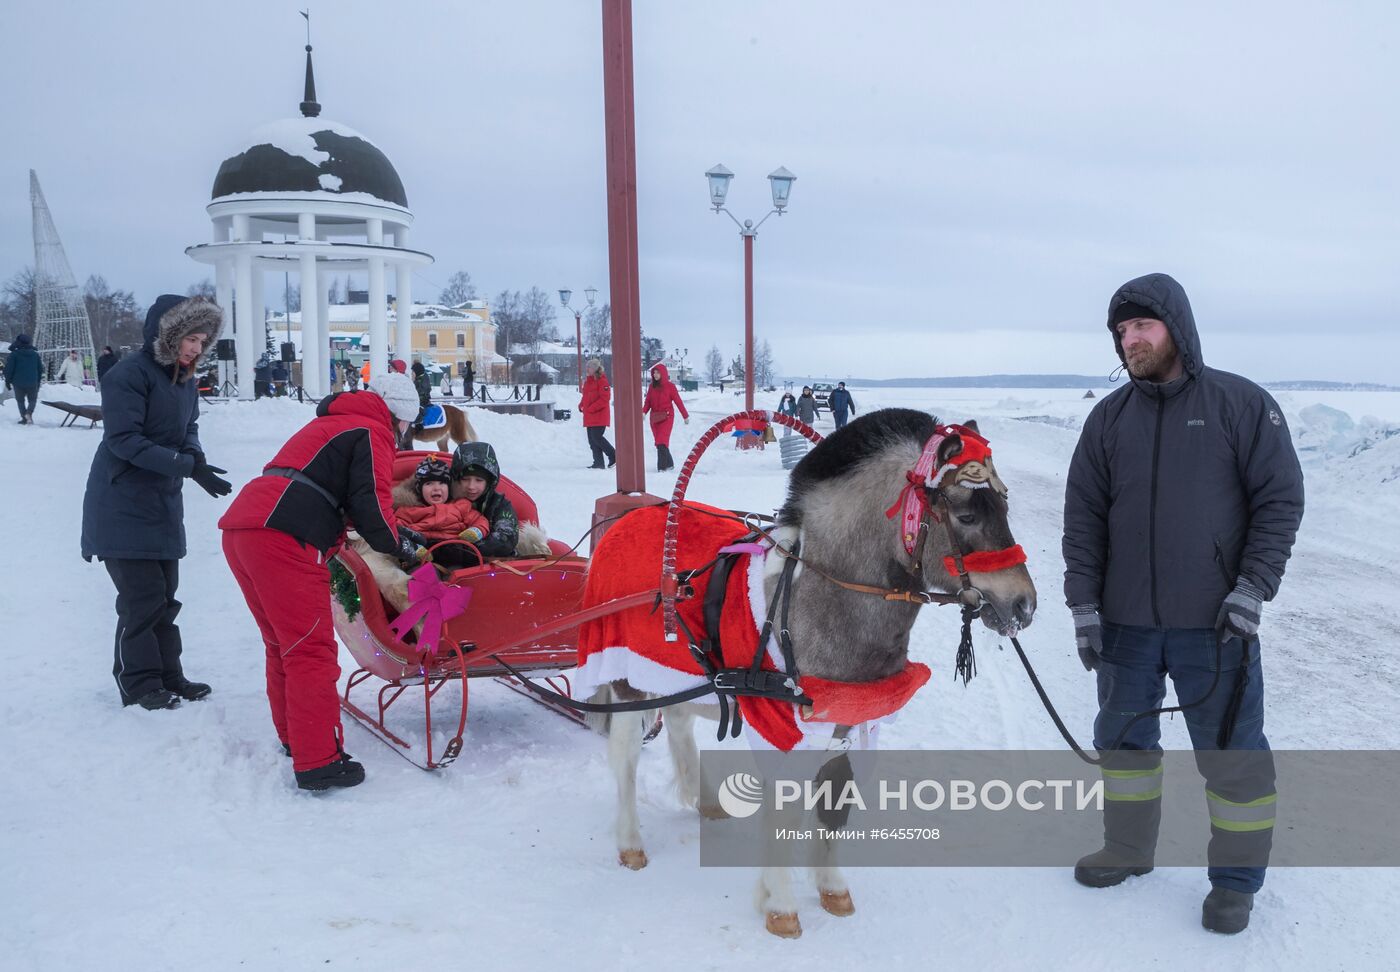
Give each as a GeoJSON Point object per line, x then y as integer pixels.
{"type": "Point", "coordinates": [312, 155]}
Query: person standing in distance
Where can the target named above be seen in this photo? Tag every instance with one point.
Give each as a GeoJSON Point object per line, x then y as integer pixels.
{"type": "Point", "coordinates": [1182, 502]}
{"type": "Point", "coordinates": [133, 510]}
{"type": "Point", "coordinates": [596, 406]}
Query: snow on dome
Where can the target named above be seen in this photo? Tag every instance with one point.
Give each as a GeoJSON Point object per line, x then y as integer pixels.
{"type": "Point", "coordinates": [310, 155]}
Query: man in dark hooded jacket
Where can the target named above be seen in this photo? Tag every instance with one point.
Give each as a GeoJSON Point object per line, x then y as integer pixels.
{"type": "Point", "coordinates": [1181, 506]}
{"type": "Point", "coordinates": [133, 511]}
{"type": "Point", "coordinates": [23, 371]}
{"type": "Point", "coordinates": [475, 475]}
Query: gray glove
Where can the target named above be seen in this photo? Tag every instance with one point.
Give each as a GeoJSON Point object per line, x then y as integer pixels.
{"type": "Point", "coordinates": [1239, 613]}
{"type": "Point", "coordinates": [1088, 634]}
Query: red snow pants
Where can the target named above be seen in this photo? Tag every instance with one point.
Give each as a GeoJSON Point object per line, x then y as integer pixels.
{"type": "Point", "coordinates": [288, 589]}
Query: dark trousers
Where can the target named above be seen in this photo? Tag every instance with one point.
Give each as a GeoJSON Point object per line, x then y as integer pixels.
{"type": "Point", "coordinates": [839, 418]}
{"type": "Point", "coordinates": [1240, 796]}
{"type": "Point", "coordinates": [147, 645]}
{"type": "Point", "coordinates": [600, 445]}
{"type": "Point", "coordinates": [25, 398]}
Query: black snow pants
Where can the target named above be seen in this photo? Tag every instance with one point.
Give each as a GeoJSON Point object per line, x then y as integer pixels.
{"type": "Point", "coordinates": [147, 649]}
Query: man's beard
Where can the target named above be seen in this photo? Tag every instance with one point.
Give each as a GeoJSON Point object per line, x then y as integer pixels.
{"type": "Point", "coordinates": [1151, 364]}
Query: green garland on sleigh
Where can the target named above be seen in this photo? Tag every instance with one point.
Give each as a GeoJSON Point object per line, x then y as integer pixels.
{"type": "Point", "coordinates": [344, 590]}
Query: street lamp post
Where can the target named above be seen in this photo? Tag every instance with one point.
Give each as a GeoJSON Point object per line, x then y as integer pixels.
{"type": "Point", "coordinates": [780, 180]}
{"type": "Point", "coordinates": [591, 294]}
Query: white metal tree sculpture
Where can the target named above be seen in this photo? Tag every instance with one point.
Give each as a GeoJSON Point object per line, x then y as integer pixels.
{"type": "Point", "coordinates": [60, 314]}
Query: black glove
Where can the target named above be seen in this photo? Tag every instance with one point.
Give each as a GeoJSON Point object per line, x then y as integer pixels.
{"type": "Point", "coordinates": [204, 474]}
{"type": "Point", "coordinates": [1088, 635]}
{"type": "Point", "coordinates": [1239, 614]}
{"type": "Point", "coordinates": [413, 550]}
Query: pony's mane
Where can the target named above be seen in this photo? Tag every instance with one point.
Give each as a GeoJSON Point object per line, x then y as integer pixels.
{"type": "Point", "coordinates": [844, 451]}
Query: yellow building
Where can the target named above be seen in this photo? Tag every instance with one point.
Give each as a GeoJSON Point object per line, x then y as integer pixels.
{"type": "Point", "coordinates": [442, 335]}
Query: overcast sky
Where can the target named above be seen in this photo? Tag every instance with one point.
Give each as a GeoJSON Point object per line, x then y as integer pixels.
{"type": "Point", "coordinates": [974, 180]}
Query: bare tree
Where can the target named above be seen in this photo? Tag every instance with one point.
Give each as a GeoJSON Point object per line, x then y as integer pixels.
{"type": "Point", "coordinates": [17, 305]}
{"type": "Point", "coordinates": [505, 313]}
{"type": "Point", "coordinates": [201, 288]}
{"type": "Point", "coordinates": [459, 289]}
{"type": "Point", "coordinates": [714, 364]}
{"type": "Point", "coordinates": [537, 318]}
{"type": "Point", "coordinates": [597, 327]}
{"type": "Point", "coordinates": [113, 314]}
{"type": "Point", "coordinates": [763, 367]}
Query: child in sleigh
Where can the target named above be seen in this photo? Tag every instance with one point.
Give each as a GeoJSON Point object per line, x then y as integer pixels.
{"type": "Point", "coordinates": [442, 502]}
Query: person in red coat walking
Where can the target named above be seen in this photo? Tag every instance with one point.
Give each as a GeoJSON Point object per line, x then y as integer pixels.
{"type": "Point", "coordinates": [278, 534]}
{"type": "Point", "coordinates": [597, 411]}
{"type": "Point", "coordinates": [660, 397]}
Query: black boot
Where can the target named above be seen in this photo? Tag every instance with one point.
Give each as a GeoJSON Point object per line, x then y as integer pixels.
{"type": "Point", "coordinates": [1226, 911]}
{"type": "Point", "coordinates": [158, 699]}
{"type": "Point", "coordinates": [343, 772]}
{"type": "Point", "coordinates": [189, 691]}
{"type": "Point", "coordinates": [1129, 837]}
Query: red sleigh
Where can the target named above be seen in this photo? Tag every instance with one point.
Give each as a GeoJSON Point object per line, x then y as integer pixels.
{"type": "Point", "coordinates": [526, 610]}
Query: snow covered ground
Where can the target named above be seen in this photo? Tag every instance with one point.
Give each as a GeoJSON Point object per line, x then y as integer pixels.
{"type": "Point", "coordinates": [177, 839]}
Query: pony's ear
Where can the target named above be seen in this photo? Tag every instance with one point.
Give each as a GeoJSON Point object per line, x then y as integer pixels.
{"type": "Point", "coordinates": [972, 424]}
{"type": "Point", "coordinates": [948, 448]}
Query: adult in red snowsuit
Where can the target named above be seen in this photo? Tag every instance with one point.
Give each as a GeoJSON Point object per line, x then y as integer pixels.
{"type": "Point", "coordinates": [661, 395]}
{"type": "Point", "coordinates": [597, 410]}
{"type": "Point", "coordinates": [277, 535]}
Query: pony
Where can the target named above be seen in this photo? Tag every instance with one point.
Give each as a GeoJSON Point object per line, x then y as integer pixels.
{"type": "Point", "coordinates": [453, 425]}
{"type": "Point", "coordinates": [840, 517]}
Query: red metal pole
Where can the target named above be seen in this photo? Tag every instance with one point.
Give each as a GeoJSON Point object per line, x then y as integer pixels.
{"type": "Point", "coordinates": [578, 346]}
{"type": "Point", "coordinates": [748, 322]}
{"type": "Point", "coordinates": [621, 145]}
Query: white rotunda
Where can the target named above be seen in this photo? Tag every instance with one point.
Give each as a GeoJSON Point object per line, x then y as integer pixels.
{"type": "Point", "coordinates": [314, 198]}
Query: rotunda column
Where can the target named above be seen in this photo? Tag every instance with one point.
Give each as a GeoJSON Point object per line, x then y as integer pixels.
{"type": "Point", "coordinates": [378, 318]}
{"type": "Point", "coordinates": [223, 293]}
{"type": "Point", "coordinates": [403, 303]}
{"type": "Point", "coordinates": [323, 332]}
{"type": "Point", "coordinates": [243, 324]}
{"type": "Point", "coordinates": [313, 350]}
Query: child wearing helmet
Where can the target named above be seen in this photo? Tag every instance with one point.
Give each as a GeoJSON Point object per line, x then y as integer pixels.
{"type": "Point", "coordinates": [475, 473]}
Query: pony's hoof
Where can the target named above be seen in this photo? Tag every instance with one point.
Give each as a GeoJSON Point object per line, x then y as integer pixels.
{"type": "Point", "coordinates": [838, 903]}
{"type": "Point", "coordinates": [633, 859]}
{"type": "Point", "coordinates": [712, 811]}
{"type": "Point", "coordinates": [784, 924]}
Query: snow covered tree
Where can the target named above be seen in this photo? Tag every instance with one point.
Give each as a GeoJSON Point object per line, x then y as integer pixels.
{"type": "Point", "coordinates": [714, 364]}
{"type": "Point", "coordinates": [459, 289]}
{"type": "Point", "coordinates": [736, 367]}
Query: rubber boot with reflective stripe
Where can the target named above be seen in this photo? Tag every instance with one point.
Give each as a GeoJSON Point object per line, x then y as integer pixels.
{"type": "Point", "coordinates": [1241, 838]}
{"type": "Point", "coordinates": [1132, 813]}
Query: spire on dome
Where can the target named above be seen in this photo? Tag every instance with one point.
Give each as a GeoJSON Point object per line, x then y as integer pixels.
{"type": "Point", "coordinates": [309, 106]}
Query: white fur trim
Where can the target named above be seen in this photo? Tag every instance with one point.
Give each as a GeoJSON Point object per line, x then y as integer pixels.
{"type": "Point", "coordinates": [620, 663]}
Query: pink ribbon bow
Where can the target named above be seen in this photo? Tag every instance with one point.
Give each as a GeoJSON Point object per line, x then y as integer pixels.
{"type": "Point", "coordinates": [912, 499]}
{"type": "Point", "coordinates": [432, 602]}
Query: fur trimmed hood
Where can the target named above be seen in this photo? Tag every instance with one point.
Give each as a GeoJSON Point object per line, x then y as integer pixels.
{"type": "Point", "coordinates": [171, 319]}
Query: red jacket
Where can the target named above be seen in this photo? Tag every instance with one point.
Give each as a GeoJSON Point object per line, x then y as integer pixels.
{"type": "Point", "coordinates": [443, 520]}
{"type": "Point", "coordinates": [659, 399]}
{"type": "Point", "coordinates": [594, 404]}
{"type": "Point", "coordinates": [348, 452]}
